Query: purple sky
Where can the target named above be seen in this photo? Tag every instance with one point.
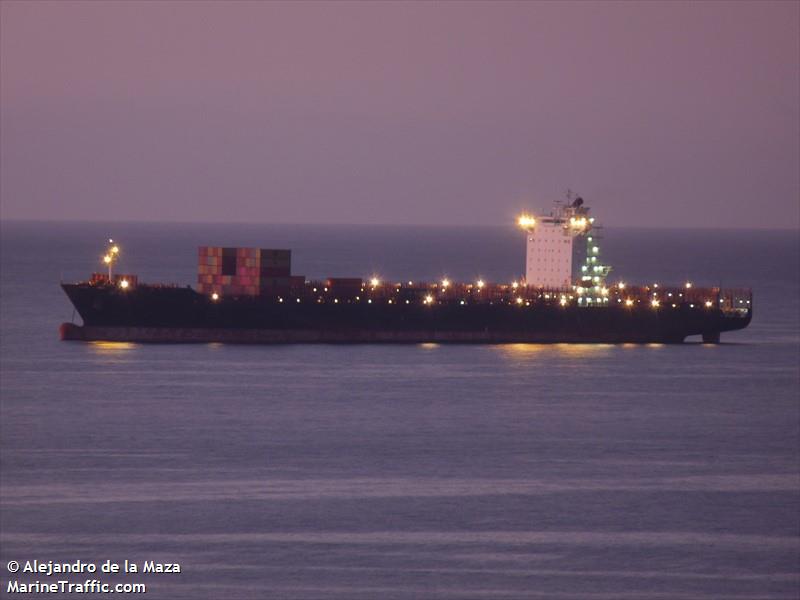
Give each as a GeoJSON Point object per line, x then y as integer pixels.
{"type": "Point", "coordinates": [659, 114]}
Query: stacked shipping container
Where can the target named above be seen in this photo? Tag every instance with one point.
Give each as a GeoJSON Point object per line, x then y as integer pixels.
{"type": "Point", "coordinates": [244, 271]}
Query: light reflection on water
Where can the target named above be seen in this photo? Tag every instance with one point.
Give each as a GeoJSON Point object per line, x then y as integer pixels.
{"type": "Point", "coordinates": [563, 350]}
{"type": "Point", "coordinates": [111, 347]}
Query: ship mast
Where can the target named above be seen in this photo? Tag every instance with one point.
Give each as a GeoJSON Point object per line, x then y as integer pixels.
{"type": "Point", "coordinates": [110, 257]}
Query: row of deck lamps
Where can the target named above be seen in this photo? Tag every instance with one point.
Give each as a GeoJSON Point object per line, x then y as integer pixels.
{"type": "Point", "coordinates": [655, 303]}
{"type": "Point", "coordinates": [445, 283]}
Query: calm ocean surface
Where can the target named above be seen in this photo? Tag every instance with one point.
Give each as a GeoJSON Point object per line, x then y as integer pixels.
{"type": "Point", "coordinates": [420, 471]}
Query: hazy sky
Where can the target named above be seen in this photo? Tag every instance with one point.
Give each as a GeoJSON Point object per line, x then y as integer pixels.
{"type": "Point", "coordinates": [659, 114]}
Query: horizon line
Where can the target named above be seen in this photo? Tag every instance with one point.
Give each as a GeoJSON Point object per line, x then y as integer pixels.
{"type": "Point", "coordinates": [510, 225]}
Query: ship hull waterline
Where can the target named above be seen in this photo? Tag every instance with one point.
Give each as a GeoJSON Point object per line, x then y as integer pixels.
{"type": "Point", "coordinates": [173, 335]}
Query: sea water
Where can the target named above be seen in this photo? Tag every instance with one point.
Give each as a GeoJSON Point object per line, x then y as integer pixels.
{"type": "Point", "coordinates": [403, 471]}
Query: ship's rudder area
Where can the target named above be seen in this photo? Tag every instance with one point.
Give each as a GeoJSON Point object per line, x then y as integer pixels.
{"type": "Point", "coordinates": [711, 332]}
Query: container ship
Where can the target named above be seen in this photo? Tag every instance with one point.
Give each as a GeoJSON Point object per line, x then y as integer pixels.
{"type": "Point", "coordinates": [249, 295]}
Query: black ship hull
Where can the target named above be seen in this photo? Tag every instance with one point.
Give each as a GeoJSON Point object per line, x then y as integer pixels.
{"type": "Point", "coordinates": [181, 315]}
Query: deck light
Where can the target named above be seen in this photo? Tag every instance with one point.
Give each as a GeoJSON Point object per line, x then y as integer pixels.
{"type": "Point", "coordinates": [526, 221]}
{"type": "Point", "coordinates": [374, 282]}
{"type": "Point", "coordinates": [215, 296]}
{"type": "Point", "coordinates": [578, 223]}
{"type": "Point", "coordinates": [124, 284]}
{"type": "Point", "coordinates": [111, 256]}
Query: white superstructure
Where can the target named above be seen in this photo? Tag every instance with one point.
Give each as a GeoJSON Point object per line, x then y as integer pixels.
{"type": "Point", "coordinates": [552, 251]}
{"type": "Point", "coordinates": [549, 255]}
